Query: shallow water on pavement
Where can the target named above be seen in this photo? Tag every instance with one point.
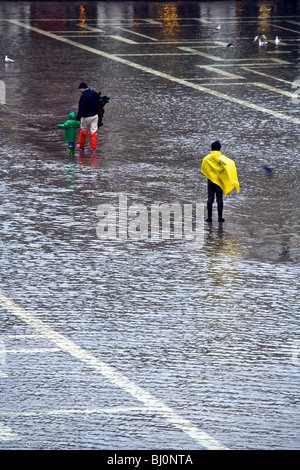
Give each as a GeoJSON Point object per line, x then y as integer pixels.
{"type": "Point", "coordinates": [209, 332]}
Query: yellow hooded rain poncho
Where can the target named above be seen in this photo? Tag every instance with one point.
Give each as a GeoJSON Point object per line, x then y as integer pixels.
{"type": "Point", "coordinates": [221, 170]}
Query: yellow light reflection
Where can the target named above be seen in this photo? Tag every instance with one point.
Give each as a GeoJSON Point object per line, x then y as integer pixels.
{"type": "Point", "coordinates": [170, 22]}
{"type": "Point", "coordinates": [264, 17]}
{"type": "Point", "coordinates": [82, 18]}
{"type": "Point", "coordinates": [169, 15]}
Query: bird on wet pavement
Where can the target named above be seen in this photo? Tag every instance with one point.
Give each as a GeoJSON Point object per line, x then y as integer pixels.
{"type": "Point", "coordinates": [268, 169]}
{"type": "Point", "coordinates": [257, 36]}
{"type": "Point", "coordinates": [262, 43]}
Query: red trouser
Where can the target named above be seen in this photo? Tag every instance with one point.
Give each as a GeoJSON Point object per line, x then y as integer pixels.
{"type": "Point", "coordinates": [82, 140]}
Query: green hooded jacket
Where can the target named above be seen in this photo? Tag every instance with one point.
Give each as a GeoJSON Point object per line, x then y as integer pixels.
{"type": "Point", "coordinates": [70, 127]}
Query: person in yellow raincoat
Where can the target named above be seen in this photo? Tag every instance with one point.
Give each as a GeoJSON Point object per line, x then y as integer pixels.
{"type": "Point", "coordinates": [221, 175]}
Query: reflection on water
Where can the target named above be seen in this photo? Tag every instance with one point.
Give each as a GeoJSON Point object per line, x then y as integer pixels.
{"type": "Point", "coordinates": [171, 26]}
{"type": "Point", "coordinates": [82, 16]}
{"type": "Point", "coordinates": [225, 253]}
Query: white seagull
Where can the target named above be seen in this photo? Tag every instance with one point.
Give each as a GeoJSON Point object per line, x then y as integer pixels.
{"type": "Point", "coordinates": [259, 34]}
{"type": "Point", "coordinates": [277, 40]}
{"type": "Point", "coordinates": [7, 59]}
{"type": "Point", "coordinates": [219, 26]}
{"type": "Point", "coordinates": [262, 43]}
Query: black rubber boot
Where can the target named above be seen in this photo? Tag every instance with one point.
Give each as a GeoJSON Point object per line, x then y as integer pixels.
{"type": "Point", "coordinates": [209, 212]}
{"type": "Point", "coordinates": [220, 212]}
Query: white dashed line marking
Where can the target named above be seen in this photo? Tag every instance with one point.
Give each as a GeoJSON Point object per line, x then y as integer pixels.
{"type": "Point", "coordinates": [113, 375]}
{"type": "Point", "coordinates": [6, 434]}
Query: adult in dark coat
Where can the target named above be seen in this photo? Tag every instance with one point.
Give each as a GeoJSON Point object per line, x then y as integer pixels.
{"type": "Point", "coordinates": [88, 116]}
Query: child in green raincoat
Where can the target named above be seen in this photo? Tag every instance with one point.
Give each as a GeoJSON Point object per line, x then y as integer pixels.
{"type": "Point", "coordinates": [70, 126]}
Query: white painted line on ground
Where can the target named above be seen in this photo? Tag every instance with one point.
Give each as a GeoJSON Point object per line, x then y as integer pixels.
{"type": "Point", "coordinates": [205, 21]}
{"type": "Point", "coordinates": [196, 44]}
{"type": "Point", "coordinates": [31, 351]}
{"type": "Point", "coordinates": [228, 84]}
{"type": "Point", "coordinates": [273, 89]}
{"type": "Point", "coordinates": [210, 82]}
{"type": "Point", "coordinates": [138, 34]}
{"type": "Point", "coordinates": [203, 54]}
{"type": "Point", "coordinates": [193, 50]}
{"type": "Point", "coordinates": [212, 68]}
{"type": "Point", "coordinates": [98, 30]}
{"type": "Point", "coordinates": [89, 28]}
{"type": "Point", "coordinates": [262, 64]}
{"type": "Point", "coordinates": [73, 32]}
{"type": "Point", "coordinates": [166, 76]}
{"type": "Point", "coordinates": [159, 21]}
{"type": "Point", "coordinates": [152, 22]}
{"type": "Point", "coordinates": [253, 63]}
{"type": "Point", "coordinates": [113, 375]}
{"type": "Point", "coordinates": [120, 38]}
{"type": "Point", "coordinates": [286, 29]}
{"type": "Point", "coordinates": [280, 61]}
{"type": "Point", "coordinates": [233, 19]}
{"type": "Point", "coordinates": [113, 410]}
{"type": "Point", "coordinates": [259, 84]}
{"type": "Point", "coordinates": [153, 54]}
{"type": "Point", "coordinates": [228, 21]}
{"type": "Point", "coordinates": [19, 336]}
{"type": "Point", "coordinates": [248, 69]}
{"type": "Point", "coordinates": [82, 34]}
{"type": "Point", "coordinates": [6, 434]}
{"type": "Point", "coordinates": [292, 110]}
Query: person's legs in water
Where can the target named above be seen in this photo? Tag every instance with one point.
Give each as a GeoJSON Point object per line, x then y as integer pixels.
{"type": "Point", "coordinates": [210, 200]}
{"type": "Point", "coordinates": [71, 146]}
{"type": "Point", "coordinates": [88, 125]}
{"type": "Point", "coordinates": [81, 140]}
{"type": "Point", "coordinates": [219, 195]}
{"type": "Point", "coordinates": [93, 143]}
{"type": "Point", "coordinates": [213, 189]}
{"type": "Point", "coordinates": [93, 128]}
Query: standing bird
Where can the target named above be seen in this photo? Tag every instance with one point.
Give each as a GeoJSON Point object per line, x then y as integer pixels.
{"type": "Point", "coordinates": [262, 43]}
{"type": "Point", "coordinates": [8, 60]}
{"type": "Point", "coordinates": [277, 40]}
{"type": "Point", "coordinates": [268, 169]}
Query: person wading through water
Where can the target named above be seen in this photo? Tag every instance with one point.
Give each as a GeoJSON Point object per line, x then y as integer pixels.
{"type": "Point", "coordinates": [88, 116]}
